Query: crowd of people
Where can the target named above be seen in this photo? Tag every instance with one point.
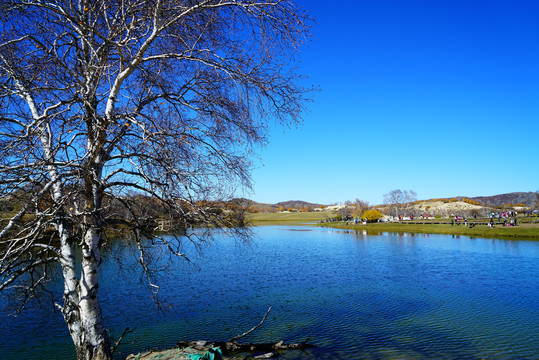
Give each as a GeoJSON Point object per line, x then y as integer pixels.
{"type": "Point", "coordinates": [507, 218]}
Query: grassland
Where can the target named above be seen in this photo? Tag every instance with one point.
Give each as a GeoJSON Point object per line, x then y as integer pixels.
{"type": "Point", "coordinates": [282, 218]}
{"type": "Point", "coordinates": [527, 228]}
{"type": "Point", "coordinates": [522, 231]}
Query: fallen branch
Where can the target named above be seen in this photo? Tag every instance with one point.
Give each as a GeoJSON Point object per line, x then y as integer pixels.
{"type": "Point", "coordinates": [126, 331]}
{"type": "Point", "coordinates": [233, 347]}
{"type": "Point", "coordinates": [252, 329]}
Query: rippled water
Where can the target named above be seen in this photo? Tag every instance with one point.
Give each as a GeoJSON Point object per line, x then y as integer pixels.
{"type": "Point", "coordinates": [356, 296]}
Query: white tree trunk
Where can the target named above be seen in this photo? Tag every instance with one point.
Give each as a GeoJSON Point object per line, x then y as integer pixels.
{"type": "Point", "coordinates": [93, 342]}
{"type": "Point", "coordinates": [70, 309]}
{"type": "Point", "coordinates": [81, 310]}
{"type": "Point", "coordinates": [177, 138]}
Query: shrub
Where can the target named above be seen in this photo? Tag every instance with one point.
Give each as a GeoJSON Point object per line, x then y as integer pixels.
{"type": "Point", "coordinates": [470, 201]}
{"type": "Point", "coordinates": [372, 215]}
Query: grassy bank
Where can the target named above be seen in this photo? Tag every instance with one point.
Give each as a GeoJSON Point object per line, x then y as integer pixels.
{"type": "Point", "coordinates": [523, 231]}
{"type": "Point", "coordinates": [295, 218]}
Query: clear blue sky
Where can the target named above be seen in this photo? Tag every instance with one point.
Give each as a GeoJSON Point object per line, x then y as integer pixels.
{"type": "Point", "coordinates": [441, 97]}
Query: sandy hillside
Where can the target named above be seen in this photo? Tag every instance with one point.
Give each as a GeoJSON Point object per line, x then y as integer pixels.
{"type": "Point", "coordinates": [447, 208]}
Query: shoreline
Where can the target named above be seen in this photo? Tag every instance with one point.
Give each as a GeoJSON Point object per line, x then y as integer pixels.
{"type": "Point", "coordinates": [526, 231]}
{"type": "Point", "coordinates": [527, 228]}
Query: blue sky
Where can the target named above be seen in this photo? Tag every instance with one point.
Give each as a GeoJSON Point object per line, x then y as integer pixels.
{"type": "Point", "coordinates": [440, 97]}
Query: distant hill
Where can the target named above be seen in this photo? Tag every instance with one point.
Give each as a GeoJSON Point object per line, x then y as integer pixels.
{"type": "Point", "coordinates": [529, 199]}
{"type": "Point", "coordinates": [297, 204]}
{"type": "Point", "coordinates": [290, 204]}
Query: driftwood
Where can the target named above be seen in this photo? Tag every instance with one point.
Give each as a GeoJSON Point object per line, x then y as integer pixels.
{"type": "Point", "coordinates": [252, 329]}
{"type": "Point", "coordinates": [232, 346]}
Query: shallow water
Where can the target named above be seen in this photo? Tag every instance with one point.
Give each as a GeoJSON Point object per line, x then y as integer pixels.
{"type": "Point", "coordinates": [356, 296]}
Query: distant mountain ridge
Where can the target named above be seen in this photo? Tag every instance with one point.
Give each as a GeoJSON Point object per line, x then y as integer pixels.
{"type": "Point", "coordinates": [296, 204]}
{"type": "Point", "coordinates": [529, 199]}
{"type": "Point", "coordinates": [285, 205]}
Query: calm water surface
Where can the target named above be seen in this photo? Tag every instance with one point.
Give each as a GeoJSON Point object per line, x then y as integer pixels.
{"type": "Point", "coordinates": [356, 296]}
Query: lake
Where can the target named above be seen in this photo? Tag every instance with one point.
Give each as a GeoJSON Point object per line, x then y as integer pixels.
{"type": "Point", "coordinates": [354, 295]}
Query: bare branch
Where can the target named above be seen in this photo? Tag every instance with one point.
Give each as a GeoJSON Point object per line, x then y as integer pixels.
{"type": "Point", "coordinates": [252, 329]}
{"type": "Point", "coordinates": [132, 113]}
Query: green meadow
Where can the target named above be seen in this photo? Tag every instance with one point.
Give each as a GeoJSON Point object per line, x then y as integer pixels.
{"type": "Point", "coordinates": [527, 227]}
{"type": "Point", "coordinates": [284, 218]}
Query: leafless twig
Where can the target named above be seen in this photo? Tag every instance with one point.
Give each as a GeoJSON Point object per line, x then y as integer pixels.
{"type": "Point", "coordinates": [126, 331]}
{"type": "Point", "coordinates": [252, 329]}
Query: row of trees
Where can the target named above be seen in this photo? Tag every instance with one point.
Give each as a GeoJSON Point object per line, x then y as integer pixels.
{"type": "Point", "coordinates": [400, 202]}
{"type": "Point", "coordinates": [98, 99]}
{"type": "Point", "coordinates": [396, 201]}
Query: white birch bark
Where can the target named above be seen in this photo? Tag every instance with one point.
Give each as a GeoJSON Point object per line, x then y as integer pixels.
{"type": "Point", "coordinates": [206, 96]}
{"type": "Point", "coordinates": [70, 308]}
{"type": "Point", "coordinates": [94, 341]}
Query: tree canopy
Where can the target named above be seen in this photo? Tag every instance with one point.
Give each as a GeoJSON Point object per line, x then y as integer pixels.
{"type": "Point", "coordinates": [398, 200]}
{"type": "Point", "coordinates": [103, 101]}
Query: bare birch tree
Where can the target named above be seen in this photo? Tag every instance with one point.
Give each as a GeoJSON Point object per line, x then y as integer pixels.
{"type": "Point", "coordinates": [398, 200]}
{"type": "Point", "coordinates": [360, 206]}
{"type": "Point", "coordinates": [166, 99]}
